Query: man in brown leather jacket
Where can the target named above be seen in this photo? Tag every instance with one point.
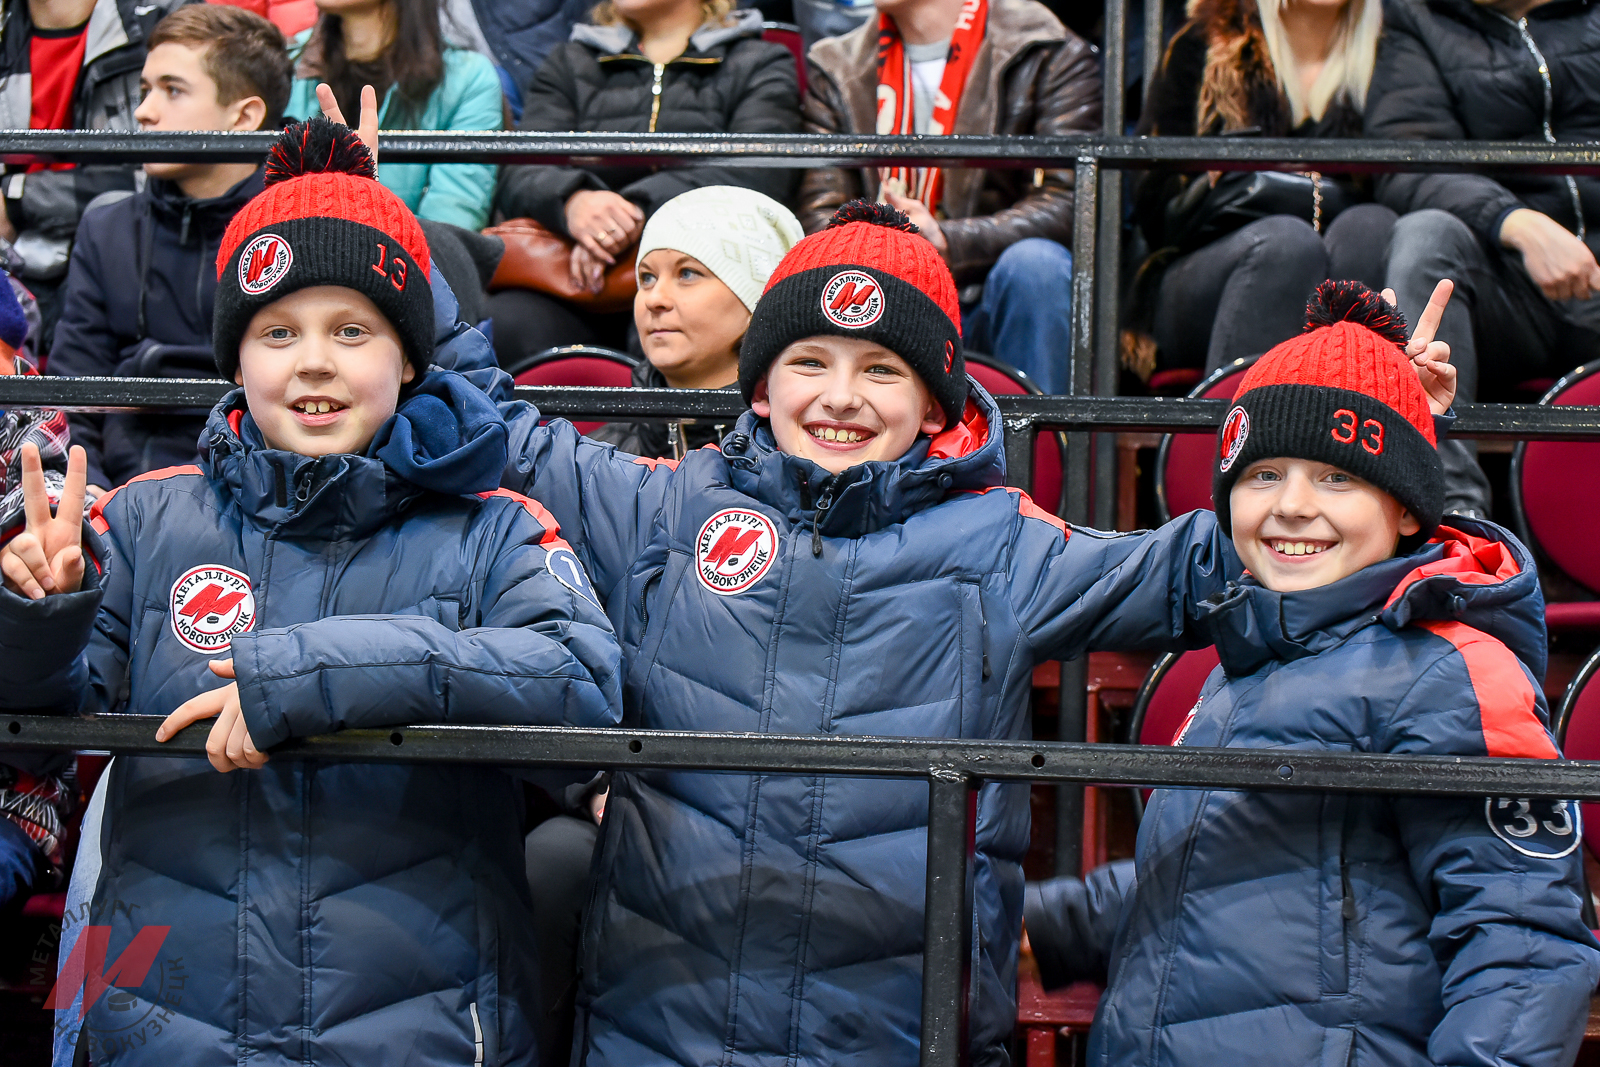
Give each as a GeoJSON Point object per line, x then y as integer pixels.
{"type": "Point", "coordinates": [1005, 233]}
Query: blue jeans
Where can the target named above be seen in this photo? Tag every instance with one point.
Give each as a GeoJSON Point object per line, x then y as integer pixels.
{"type": "Point", "coordinates": [1025, 315]}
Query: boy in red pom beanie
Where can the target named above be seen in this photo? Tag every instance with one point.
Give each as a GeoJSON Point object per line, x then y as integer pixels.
{"type": "Point", "coordinates": [342, 557]}
{"type": "Point", "coordinates": [850, 561]}
{"type": "Point", "coordinates": [1266, 929]}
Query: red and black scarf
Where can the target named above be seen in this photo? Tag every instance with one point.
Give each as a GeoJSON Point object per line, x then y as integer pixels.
{"type": "Point", "coordinates": [895, 88]}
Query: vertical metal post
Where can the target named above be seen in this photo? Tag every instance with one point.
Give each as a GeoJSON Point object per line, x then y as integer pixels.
{"type": "Point", "coordinates": [1116, 65]}
{"type": "Point", "coordinates": [1154, 25]}
{"type": "Point", "coordinates": [1085, 260]}
{"type": "Point", "coordinates": [947, 921]}
{"type": "Point", "coordinates": [1107, 345]}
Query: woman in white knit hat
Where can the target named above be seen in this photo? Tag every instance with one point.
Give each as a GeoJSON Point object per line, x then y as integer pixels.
{"type": "Point", "coordinates": [704, 258]}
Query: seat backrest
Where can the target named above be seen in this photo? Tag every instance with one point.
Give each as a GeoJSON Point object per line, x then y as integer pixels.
{"type": "Point", "coordinates": [1049, 465]}
{"type": "Point", "coordinates": [1170, 693]}
{"type": "Point", "coordinates": [788, 35]}
{"type": "Point", "coordinates": [591, 370]}
{"type": "Point", "coordinates": [1578, 733]}
{"type": "Point", "coordinates": [1556, 486]}
{"type": "Point", "coordinates": [1183, 465]}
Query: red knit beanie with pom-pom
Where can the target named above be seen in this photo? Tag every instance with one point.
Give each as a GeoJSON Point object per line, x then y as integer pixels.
{"type": "Point", "coordinates": [1344, 393]}
{"type": "Point", "coordinates": [323, 219]}
{"type": "Point", "coordinates": [871, 275]}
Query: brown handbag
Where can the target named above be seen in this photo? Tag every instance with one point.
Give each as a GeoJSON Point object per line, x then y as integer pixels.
{"type": "Point", "coordinates": [540, 260]}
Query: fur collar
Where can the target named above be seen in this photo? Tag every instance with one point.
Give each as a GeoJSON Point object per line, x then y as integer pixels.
{"type": "Point", "coordinates": [1239, 87]}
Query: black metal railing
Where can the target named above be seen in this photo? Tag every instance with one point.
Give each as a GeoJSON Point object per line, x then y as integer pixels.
{"type": "Point", "coordinates": [952, 767]}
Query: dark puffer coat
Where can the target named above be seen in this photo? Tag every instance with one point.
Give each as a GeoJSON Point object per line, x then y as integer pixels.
{"type": "Point", "coordinates": [661, 440]}
{"type": "Point", "coordinates": [764, 920]}
{"type": "Point", "coordinates": [1457, 70]}
{"type": "Point", "coordinates": [320, 912]}
{"type": "Point", "coordinates": [1267, 929]}
{"type": "Point", "coordinates": [728, 81]}
{"type": "Point", "coordinates": [137, 304]}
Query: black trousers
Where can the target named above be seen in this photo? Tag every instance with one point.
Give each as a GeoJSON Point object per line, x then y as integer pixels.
{"type": "Point", "coordinates": [558, 853]}
{"type": "Point", "coordinates": [1243, 293]}
{"type": "Point", "coordinates": [526, 323]}
{"type": "Point", "coordinates": [1501, 328]}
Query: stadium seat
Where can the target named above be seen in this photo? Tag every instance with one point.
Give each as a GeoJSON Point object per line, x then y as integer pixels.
{"type": "Point", "coordinates": [1183, 463]}
{"type": "Point", "coordinates": [1555, 494]}
{"type": "Point", "coordinates": [577, 365]}
{"type": "Point", "coordinates": [1049, 455]}
{"type": "Point", "coordinates": [1170, 692]}
{"type": "Point", "coordinates": [788, 35]}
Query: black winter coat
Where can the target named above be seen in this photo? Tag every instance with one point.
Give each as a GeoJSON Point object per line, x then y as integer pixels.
{"type": "Point", "coordinates": [137, 304]}
{"type": "Point", "coordinates": [1453, 70]}
{"type": "Point", "coordinates": [728, 81]}
{"type": "Point", "coordinates": [660, 439]}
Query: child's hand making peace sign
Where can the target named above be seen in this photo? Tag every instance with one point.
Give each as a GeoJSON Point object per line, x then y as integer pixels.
{"type": "Point", "coordinates": [47, 556]}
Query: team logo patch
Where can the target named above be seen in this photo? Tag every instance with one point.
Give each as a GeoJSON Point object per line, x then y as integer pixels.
{"type": "Point", "coordinates": [1235, 432]}
{"type": "Point", "coordinates": [852, 300]}
{"type": "Point", "coordinates": [563, 565]}
{"type": "Point", "coordinates": [263, 263]}
{"type": "Point", "coordinates": [734, 549]}
{"type": "Point", "coordinates": [1544, 829]}
{"type": "Point", "coordinates": [210, 605]}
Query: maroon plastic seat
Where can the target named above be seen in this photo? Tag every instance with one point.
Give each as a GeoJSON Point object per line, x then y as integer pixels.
{"type": "Point", "coordinates": [578, 365]}
{"type": "Point", "coordinates": [1577, 730]}
{"type": "Point", "coordinates": [1049, 462]}
{"type": "Point", "coordinates": [1170, 692]}
{"type": "Point", "coordinates": [1183, 463]}
{"type": "Point", "coordinates": [1175, 382]}
{"type": "Point", "coordinates": [1555, 493]}
{"type": "Point", "coordinates": [788, 35]}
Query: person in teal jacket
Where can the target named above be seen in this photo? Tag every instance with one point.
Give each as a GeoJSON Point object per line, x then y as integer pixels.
{"type": "Point", "coordinates": [398, 48]}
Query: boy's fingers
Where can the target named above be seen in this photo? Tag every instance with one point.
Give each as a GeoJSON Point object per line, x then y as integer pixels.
{"type": "Point", "coordinates": [35, 498]}
{"type": "Point", "coordinates": [222, 668]}
{"type": "Point", "coordinates": [1389, 297]}
{"type": "Point", "coordinates": [368, 130]}
{"type": "Point", "coordinates": [217, 744]}
{"type": "Point", "coordinates": [27, 550]}
{"type": "Point", "coordinates": [188, 713]}
{"type": "Point", "coordinates": [17, 574]}
{"type": "Point", "coordinates": [329, 104]}
{"type": "Point", "coordinates": [68, 569]}
{"type": "Point", "coordinates": [72, 492]}
{"type": "Point", "coordinates": [1428, 324]}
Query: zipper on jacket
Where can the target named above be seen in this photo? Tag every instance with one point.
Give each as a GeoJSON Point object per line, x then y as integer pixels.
{"type": "Point", "coordinates": [1549, 110]}
{"type": "Point", "coordinates": [280, 494]}
{"type": "Point", "coordinates": [477, 1036]}
{"type": "Point", "coordinates": [824, 502]}
{"type": "Point", "coordinates": [655, 95]}
{"type": "Point", "coordinates": [1348, 908]}
{"type": "Point", "coordinates": [983, 633]}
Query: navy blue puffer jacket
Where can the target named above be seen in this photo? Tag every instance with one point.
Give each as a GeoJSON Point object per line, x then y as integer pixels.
{"type": "Point", "coordinates": [1277, 928]}
{"type": "Point", "coordinates": [766, 920]}
{"type": "Point", "coordinates": [323, 913]}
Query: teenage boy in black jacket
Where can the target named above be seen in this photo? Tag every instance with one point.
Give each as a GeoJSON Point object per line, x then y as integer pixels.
{"type": "Point", "coordinates": [139, 291]}
{"type": "Point", "coordinates": [1521, 248]}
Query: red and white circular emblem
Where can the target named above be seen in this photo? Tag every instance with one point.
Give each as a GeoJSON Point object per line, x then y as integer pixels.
{"type": "Point", "coordinates": [852, 299]}
{"type": "Point", "coordinates": [209, 606]}
{"type": "Point", "coordinates": [734, 549]}
{"type": "Point", "coordinates": [263, 263]}
{"type": "Point", "coordinates": [1235, 432]}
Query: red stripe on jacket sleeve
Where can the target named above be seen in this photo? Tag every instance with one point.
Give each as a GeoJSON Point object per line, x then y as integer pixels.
{"type": "Point", "coordinates": [1506, 700]}
{"type": "Point", "coordinates": [552, 529]}
{"type": "Point", "coordinates": [1027, 507]}
{"type": "Point", "coordinates": [97, 519]}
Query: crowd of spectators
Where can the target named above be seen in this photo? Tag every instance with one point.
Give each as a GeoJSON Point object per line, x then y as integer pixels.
{"type": "Point", "coordinates": [1223, 262]}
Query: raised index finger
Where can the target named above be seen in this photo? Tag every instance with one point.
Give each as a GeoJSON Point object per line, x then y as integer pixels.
{"type": "Point", "coordinates": [1428, 324]}
{"type": "Point", "coordinates": [35, 497]}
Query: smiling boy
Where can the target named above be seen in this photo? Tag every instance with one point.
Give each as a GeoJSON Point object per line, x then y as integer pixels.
{"type": "Point", "coordinates": [1297, 928]}
{"type": "Point", "coordinates": [341, 557]}
{"type": "Point", "coordinates": [849, 562]}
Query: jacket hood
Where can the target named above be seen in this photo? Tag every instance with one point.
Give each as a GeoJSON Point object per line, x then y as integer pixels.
{"type": "Point", "coordinates": [617, 39]}
{"type": "Point", "coordinates": [447, 437]}
{"type": "Point", "coordinates": [870, 496]}
{"type": "Point", "coordinates": [1472, 572]}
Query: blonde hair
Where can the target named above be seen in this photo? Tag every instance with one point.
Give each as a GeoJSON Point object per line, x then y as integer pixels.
{"type": "Point", "coordinates": [1350, 60]}
{"type": "Point", "coordinates": [715, 12]}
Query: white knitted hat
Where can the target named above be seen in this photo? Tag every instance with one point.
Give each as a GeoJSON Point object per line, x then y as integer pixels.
{"type": "Point", "coordinates": [739, 234]}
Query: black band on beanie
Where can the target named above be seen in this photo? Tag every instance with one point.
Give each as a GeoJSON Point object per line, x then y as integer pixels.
{"type": "Point", "coordinates": [899, 316]}
{"type": "Point", "coordinates": [299, 253]}
{"type": "Point", "coordinates": [1352, 431]}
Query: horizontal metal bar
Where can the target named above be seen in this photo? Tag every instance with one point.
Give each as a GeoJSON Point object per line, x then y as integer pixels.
{"type": "Point", "coordinates": [1102, 413]}
{"type": "Point", "coordinates": [894, 757]}
{"type": "Point", "coordinates": [813, 150]}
